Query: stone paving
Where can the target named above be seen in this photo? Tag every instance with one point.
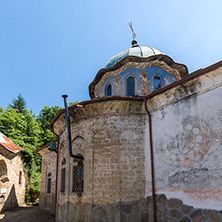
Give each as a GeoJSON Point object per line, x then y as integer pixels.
{"type": "Point", "coordinates": [26, 214]}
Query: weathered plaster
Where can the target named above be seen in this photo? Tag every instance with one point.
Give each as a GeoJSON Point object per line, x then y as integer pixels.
{"type": "Point", "coordinates": [187, 141]}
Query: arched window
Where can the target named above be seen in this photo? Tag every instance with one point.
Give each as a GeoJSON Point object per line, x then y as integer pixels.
{"type": "Point", "coordinates": [63, 180]}
{"type": "Point", "coordinates": [130, 86]}
{"type": "Point", "coordinates": [63, 161]}
{"type": "Point", "coordinates": [20, 177]}
{"type": "Point", "coordinates": [3, 168]}
{"type": "Point", "coordinates": [49, 183]}
{"type": "Point", "coordinates": [157, 82]}
{"type": "Point", "coordinates": [108, 90]}
{"type": "Point", "coordinates": [78, 177]}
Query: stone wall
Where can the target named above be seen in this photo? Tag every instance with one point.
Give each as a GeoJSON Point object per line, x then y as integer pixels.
{"type": "Point", "coordinates": [113, 149]}
{"type": "Point", "coordinates": [48, 172]}
{"type": "Point", "coordinates": [168, 210]}
{"type": "Point", "coordinates": [12, 180]}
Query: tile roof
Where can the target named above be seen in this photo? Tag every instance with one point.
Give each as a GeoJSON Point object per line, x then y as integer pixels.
{"type": "Point", "coordinates": [8, 144]}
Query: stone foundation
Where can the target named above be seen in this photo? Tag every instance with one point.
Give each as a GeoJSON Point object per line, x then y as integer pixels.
{"type": "Point", "coordinates": [172, 210]}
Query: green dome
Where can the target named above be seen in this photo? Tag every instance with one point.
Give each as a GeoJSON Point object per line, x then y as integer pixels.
{"type": "Point", "coordinates": [140, 51]}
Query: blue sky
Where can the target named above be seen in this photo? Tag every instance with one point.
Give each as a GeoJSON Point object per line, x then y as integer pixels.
{"type": "Point", "coordinates": [54, 47]}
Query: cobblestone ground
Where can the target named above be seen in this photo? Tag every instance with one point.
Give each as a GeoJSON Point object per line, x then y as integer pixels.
{"type": "Point", "coordinates": [26, 214]}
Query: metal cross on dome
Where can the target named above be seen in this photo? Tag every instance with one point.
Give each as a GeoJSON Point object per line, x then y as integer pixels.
{"type": "Point", "coordinates": [133, 33]}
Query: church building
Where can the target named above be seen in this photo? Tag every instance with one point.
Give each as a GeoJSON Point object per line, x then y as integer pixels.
{"type": "Point", "coordinates": [146, 147]}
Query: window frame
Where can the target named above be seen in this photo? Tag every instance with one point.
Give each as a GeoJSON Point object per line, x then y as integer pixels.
{"type": "Point", "coordinates": [161, 81]}
{"type": "Point", "coordinates": [106, 89]}
{"type": "Point", "coordinates": [135, 85]}
{"type": "Point", "coordinates": [78, 180]}
{"type": "Point", "coordinates": [63, 180]}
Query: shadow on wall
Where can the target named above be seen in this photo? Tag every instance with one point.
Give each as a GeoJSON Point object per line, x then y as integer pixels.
{"type": "Point", "coordinates": [11, 201]}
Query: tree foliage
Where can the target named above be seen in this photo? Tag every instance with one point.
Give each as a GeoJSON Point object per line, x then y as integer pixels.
{"type": "Point", "coordinates": [19, 104]}
{"type": "Point", "coordinates": [44, 118]}
{"type": "Point", "coordinates": [29, 132]}
{"type": "Point", "coordinates": [73, 103]}
{"type": "Point", "coordinates": [24, 131]}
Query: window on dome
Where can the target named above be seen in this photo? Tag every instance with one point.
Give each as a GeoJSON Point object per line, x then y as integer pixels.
{"type": "Point", "coordinates": [157, 82]}
{"type": "Point", "coordinates": [130, 86]}
{"type": "Point", "coordinates": [108, 90]}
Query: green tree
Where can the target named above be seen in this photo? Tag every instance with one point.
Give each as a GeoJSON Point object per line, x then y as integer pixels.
{"type": "Point", "coordinates": [44, 118]}
{"type": "Point", "coordinates": [19, 104]}
{"type": "Point", "coordinates": [24, 131]}
{"type": "Point", "coordinates": [73, 103]}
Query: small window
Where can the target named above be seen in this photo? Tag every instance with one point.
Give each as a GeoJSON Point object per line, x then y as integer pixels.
{"type": "Point", "coordinates": [49, 186]}
{"type": "Point", "coordinates": [49, 183]}
{"type": "Point", "coordinates": [63, 180]}
{"type": "Point", "coordinates": [78, 178]}
{"type": "Point", "coordinates": [20, 177]}
{"type": "Point", "coordinates": [63, 161]}
{"type": "Point", "coordinates": [108, 90]}
{"type": "Point", "coordinates": [130, 86]}
{"type": "Point", "coordinates": [157, 82]}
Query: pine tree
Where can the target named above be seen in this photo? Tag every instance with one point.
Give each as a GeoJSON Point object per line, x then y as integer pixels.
{"type": "Point", "coordinates": [19, 104]}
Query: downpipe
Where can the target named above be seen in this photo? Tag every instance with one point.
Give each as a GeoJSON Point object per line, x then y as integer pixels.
{"type": "Point", "coordinates": [70, 149]}
{"type": "Point", "coordinates": [69, 131]}
{"type": "Point", "coordinates": [152, 161]}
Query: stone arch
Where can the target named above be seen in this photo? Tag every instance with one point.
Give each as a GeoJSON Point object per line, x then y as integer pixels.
{"type": "Point", "coordinates": [78, 145]}
{"type": "Point", "coordinates": [127, 135]}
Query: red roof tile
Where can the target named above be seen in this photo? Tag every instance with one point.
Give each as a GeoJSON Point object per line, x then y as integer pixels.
{"type": "Point", "coordinates": [8, 144]}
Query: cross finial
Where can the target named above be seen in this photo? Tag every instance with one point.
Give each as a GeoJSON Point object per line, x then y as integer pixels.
{"type": "Point", "coordinates": [133, 33]}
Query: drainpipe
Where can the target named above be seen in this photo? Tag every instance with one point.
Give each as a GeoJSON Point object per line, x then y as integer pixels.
{"type": "Point", "coordinates": [68, 130]}
{"type": "Point", "coordinates": [152, 160]}
{"type": "Point", "coordinates": [57, 166]}
{"type": "Point", "coordinates": [70, 149]}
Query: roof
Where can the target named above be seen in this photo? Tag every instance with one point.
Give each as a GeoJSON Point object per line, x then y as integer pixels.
{"type": "Point", "coordinates": [139, 51]}
{"type": "Point", "coordinates": [8, 144]}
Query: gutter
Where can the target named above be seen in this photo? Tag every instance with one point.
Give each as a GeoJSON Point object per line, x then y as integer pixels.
{"type": "Point", "coordinates": [152, 161]}
{"type": "Point", "coordinates": [56, 185]}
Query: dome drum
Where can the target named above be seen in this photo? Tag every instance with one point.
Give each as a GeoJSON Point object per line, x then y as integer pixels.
{"type": "Point", "coordinates": [149, 73]}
